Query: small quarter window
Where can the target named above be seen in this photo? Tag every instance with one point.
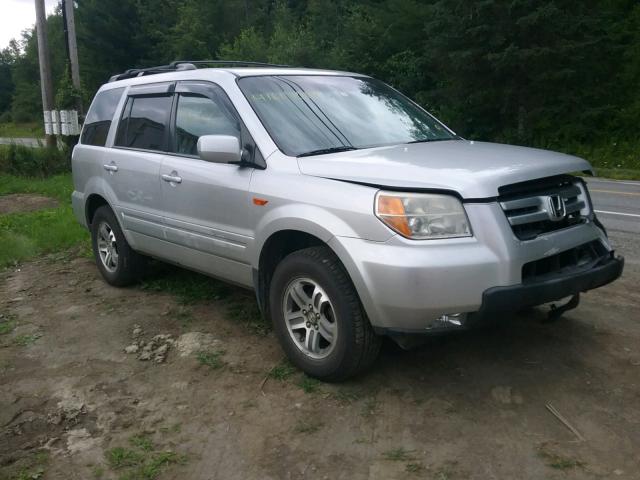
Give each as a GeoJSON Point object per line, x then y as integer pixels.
{"type": "Point", "coordinates": [144, 123]}
{"type": "Point", "coordinates": [197, 116]}
{"type": "Point", "coordinates": [98, 121]}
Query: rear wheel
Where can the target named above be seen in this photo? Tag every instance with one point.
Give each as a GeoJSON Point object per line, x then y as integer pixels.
{"type": "Point", "coordinates": [318, 317]}
{"type": "Point", "coordinates": [117, 262]}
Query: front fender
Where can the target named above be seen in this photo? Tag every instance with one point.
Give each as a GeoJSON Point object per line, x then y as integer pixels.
{"type": "Point", "coordinates": [309, 219]}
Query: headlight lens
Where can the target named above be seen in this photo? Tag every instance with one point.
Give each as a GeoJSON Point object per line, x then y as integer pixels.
{"type": "Point", "coordinates": [422, 216]}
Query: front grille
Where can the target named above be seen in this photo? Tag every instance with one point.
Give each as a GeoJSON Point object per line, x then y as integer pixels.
{"type": "Point", "coordinates": [526, 205]}
{"type": "Point", "coordinates": [575, 259]}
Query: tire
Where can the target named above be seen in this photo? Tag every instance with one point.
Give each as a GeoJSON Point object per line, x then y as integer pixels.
{"type": "Point", "coordinates": [124, 266]}
{"type": "Point", "coordinates": [316, 273]}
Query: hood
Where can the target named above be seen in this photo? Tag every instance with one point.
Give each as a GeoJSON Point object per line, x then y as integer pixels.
{"type": "Point", "coordinates": [473, 169]}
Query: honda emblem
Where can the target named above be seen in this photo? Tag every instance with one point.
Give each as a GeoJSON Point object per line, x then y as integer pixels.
{"type": "Point", "coordinates": [556, 208]}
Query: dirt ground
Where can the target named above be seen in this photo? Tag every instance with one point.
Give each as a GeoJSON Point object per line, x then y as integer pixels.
{"type": "Point", "coordinates": [25, 202]}
{"type": "Point", "coordinates": [74, 405]}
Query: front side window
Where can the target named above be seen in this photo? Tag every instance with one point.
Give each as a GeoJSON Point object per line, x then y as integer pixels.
{"type": "Point", "coordinates": [307, 114]}
{"type": "Point", "coordinates": [98, 121]}
{"type": "Point", "coordinates": [144, 123]}
{"type": "Point", "coordinates": [198, 115]}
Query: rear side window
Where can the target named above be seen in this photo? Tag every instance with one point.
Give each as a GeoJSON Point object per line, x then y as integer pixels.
{"type": "Point", "coordinates": [144, 123]}
{"type": "Point", "coordinates": [98, 121]}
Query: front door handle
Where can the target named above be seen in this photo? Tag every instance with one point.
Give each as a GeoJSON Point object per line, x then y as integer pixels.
{"type": "Point", "coordinates": [172, 178]}
{"type": "Point", "coordinates": [111, 167]}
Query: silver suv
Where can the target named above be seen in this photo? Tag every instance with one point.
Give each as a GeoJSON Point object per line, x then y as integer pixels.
{"type": "Point", "coordinates": [351, 211]}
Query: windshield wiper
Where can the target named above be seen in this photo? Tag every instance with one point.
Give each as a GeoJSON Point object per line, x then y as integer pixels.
{"type": "Point", "coordinates": [427, 140]}
{"type": "Point", "coordinates": [322, 151]}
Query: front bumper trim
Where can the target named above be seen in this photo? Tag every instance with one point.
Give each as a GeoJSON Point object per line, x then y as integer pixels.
{"type": "Point", "coordinates": [499, 300]}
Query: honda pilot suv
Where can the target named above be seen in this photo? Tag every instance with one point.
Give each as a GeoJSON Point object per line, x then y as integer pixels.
{"type": "Point", "coordinates": [350, 211]}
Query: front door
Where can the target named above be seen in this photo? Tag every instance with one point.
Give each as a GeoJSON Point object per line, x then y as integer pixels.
{"type": "Point", "coordinates": [206, 205]}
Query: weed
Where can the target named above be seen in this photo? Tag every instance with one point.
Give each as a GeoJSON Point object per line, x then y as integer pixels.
{"type": "Point", "coordinates": [309, 385]}
{"type": "Point", "coordinates": [98, 471]}
{"type": "Point", "coordinates": [211, 358]}
{"type": "Point", "coordinates": [142, 462]}
{"type": "Point", "coordinates": [7, 324]}
{"type": "Point", "coordinates": [414, 467]}
{"type": "Point", "coordinates": [245, 309]}
{"type": "Point", "coordinates": [37, 162]}
{"type": "Point", "coordinates": [189, 287]}
{"type": "Point", "coordinates": [21, 130]}
{"type": "Point", "coordinates": [282, 371]}
{"type": "Point", "coordinates": [307, 427]}
{"type": "Point", "coordinates": [557, 461]}
{"type": "Point", "coordinates": [142, 441]}
{"type": "Point", "coordinates": [398, 455]}
{"type": "Point", "coordinates": [120, 457]}
{"type": "Point", "coordinates": [26, 235]}
{"type": "Point", "coordinates": [31, 467]}
{"type": "Point", "coordinates": [26, 339]}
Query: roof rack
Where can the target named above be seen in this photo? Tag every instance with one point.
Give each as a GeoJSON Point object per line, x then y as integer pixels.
{"type": "Point", "coordinates": [180, 65]}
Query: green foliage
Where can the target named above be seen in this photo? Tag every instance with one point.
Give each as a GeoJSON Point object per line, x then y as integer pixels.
{"type": "Point", "coordinates": [20, 130]}
{"type": "Point", "coordinates": [26, 235]}
{"type": "Point", "coordinates": [143, 461]}
{"type": "Point", "coordinates": [211, 358]}
{"type": "Point", "coordinates": [552, 73]}
{"type": "Point", "coordinates": [38, 162]}
{"type": "Point", "coordinates": [282, 371]}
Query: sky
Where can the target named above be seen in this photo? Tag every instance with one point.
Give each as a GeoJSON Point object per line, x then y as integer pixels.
{"type": "Point", "coordinates": [18, 15]}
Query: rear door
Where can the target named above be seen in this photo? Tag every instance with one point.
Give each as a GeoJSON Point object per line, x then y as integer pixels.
{"type": "Point", "coordinates": [142, 139]}
{"type": "Point", "coordinates": [206, 205]}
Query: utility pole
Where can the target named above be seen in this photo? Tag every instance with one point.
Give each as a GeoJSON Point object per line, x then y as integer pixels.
{"type": "Point", "coordinates": [72, 46]}
{"type": "Point", "coordinates": [46, 85]}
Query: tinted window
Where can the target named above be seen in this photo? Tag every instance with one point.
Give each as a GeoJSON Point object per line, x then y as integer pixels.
{"type": "Point", "coordinates": [308, 113]}
{"type": "Point", "coordinates": [98, 121]}
{"type": "Point", "coordinates": [197, 116]}
{"type": "Point", "coordinates": [144, 123]}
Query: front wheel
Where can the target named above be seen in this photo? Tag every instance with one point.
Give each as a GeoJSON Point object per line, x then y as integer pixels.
{"type": "Point", "coordinates": [318, 317]}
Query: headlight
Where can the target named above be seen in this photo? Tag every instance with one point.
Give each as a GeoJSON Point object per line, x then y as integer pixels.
{"type": "Point", "coordinates": [421, 216]}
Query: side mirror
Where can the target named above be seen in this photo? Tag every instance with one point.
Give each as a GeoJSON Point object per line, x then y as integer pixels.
{"type": "Point", "coordinates": [219, 148]}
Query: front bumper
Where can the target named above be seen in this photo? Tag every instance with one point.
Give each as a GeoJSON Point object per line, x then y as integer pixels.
{"type": "Point", "coordinates": [498, 300]}
{"type": "Point", "coordinates": [408, 286]}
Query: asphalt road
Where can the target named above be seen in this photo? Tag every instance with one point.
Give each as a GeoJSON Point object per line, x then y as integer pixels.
{"type": "Point", "coordinates": [28, 142]}
{"type": "Point", "coordinates": [617, 204]}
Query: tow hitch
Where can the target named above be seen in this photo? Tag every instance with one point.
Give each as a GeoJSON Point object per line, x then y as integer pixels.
{"type": "Point", "coordinates": [556, 311]}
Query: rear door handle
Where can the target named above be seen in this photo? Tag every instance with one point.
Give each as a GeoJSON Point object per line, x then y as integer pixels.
{"type": "Point", "coordinates": [173, 178]}
{"type": "Point", "coordinates": [111, 167]}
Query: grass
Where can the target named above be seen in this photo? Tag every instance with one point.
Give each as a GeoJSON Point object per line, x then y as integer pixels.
{"type": "Point", "coordinates": [142, 441]}
{"type": "Point", "coordinates": [211, 358]}
{"type": "Point", "coordinates": [309, 385]}
{"type": "Point", "coordinates": [414, 467]}
{"type": "Point", "coordinates": [282, 371]}
{"type": "Point", "coordinates": [398, 455]}
{"type": "Point", "coordinates": [21, 130]}
{"type": "Point", "coordinates": [26, 339]}
{"type": "Point", "coordinates": [27, 235]}
{"type": "Point", "coordinates": [191, 288]}
{"type": "Point", "coordinates": [7, 324]}
{"type": "Point", "coordinates": [618, 173]}
{"type": "Point", "coordinates": [31, 467]}
{"type": "Point", "coordinates": [557, 461]}
{"type": "Point", "coordinates": [143, 461]}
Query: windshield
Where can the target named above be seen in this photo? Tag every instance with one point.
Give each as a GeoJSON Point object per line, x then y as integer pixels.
{"type": "Point", "coordinates": [313, 114]}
